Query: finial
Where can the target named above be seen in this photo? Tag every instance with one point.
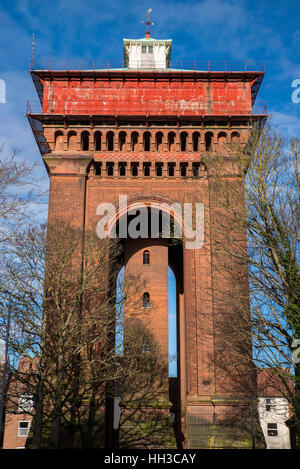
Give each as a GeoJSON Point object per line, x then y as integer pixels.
{"type": "Point", "coordinates": [147, 35]}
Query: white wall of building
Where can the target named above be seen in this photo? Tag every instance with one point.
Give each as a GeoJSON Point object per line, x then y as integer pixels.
{"type": "Point", "coordinates": [147, 54]}
{"type": "Point", "coordinates": [273, 413]}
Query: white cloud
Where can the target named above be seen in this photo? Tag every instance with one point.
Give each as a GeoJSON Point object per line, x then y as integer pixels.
{"type": "Point", "coordinates": [288, 124]}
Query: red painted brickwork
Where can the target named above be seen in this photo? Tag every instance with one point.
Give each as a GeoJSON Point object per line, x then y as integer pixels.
{"type": "Point", "coordinates": [161, 94]}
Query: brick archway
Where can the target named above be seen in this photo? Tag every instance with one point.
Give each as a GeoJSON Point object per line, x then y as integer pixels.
{"type": "Point", "coordinates": [163, 257]}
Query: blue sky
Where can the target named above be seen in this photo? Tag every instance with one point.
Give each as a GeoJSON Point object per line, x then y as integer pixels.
{"type": "Point", "coordinates": [171, 319]}
{"type": "Point", "coordinates": [264, 30]}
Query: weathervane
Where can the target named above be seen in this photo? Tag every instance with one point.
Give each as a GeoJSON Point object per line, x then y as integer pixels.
{"type": "Point", "coordinates": [147, 35]}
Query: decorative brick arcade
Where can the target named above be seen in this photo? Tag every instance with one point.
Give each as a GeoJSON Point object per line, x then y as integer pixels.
{"type": "Point", "coordinates": [144, 130]}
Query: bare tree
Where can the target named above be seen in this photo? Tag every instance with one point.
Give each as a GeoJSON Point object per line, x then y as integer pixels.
{"type": "Point", "coordinates": [254, 190]}
{"type": "Point", "coordinates": [19, 195]}
{"type": "Point", "coordinates": [64, 322]}
{"type": "Point", "coordinates": [19, 190]}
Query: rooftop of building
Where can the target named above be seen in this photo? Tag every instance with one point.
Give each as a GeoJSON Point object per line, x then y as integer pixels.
{"type": "Point", "coordinates": [205, 66]}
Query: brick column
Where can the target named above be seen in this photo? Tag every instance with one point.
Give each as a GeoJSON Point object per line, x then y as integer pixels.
{"type": "Point", "coordinates": [190, 323]}
{"type": "Point", "coordinates": [67, 188]}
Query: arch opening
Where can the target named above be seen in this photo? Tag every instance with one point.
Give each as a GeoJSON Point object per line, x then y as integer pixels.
{"type": "Point", "coordinates": [97, 141]}
{"type": "Point", "coordinates": [160, 298]}
{"type": "Point", "coordinates": [147, 141]}
{"type": "Point", "coordinates": [72, 140]}
{"type": "Point", "coordinates": [110, 141]}
{"type": "Point", "coordinates": [85, 141]}
{"type": "Point", "coordinates": [58, 140]}
{"type": "Point", "coordinates": [208, 141]}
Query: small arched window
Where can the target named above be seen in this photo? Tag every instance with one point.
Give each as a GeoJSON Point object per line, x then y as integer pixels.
{"type": "Point", "coordinates": [146, 347]}
{"type": "Point", "coordinates": [159, 141]}
{"type": "Point", "coordinates": [72, 140]}
{"type": "Point", "coordinates": [183, 141]}
{"type": "Point", "coordinates": [235, 138]}
{"type": "Point", "coordinates": [203, 167]}
{"type": "Point", "coordinates": [171, 141]}
{"type": "Point", "coordinates": [146, 300]}
{"type": "Point", "coordinates": [146, 257]}
{"type": "Point", "coordinates": [122, 141]}
{"type": "Point", "coordinates": [196, 140]}
{"type": "Point", "coordinates": [110, 169]}
{"type": "Point", "coordinates": [222, 140]}
{"type": "Point", "coordinates": [134, 169]}
{"type": "Point", "coordinates": [97, 141]}
{"type": "Point", "coordinates": [97, 167]}
{"type": "Point", "coordinates": [110, 141]}
{"type": "Point", "coordinates": [159, 169]}
{"type": "Point", "coordinates": [134, 141]}
{"type": "Point", "coordinates": [122, 169]}
{"type": "Point", "coordinates": [183, 169]}
{"type": "Point", "coordinates": [59, 140]}
{"type": "Point", "coordinates": [147, 141]}
{"type": "Point", "coordinates": [171, 169]}
{"type": "Point", "coordinates": [85, 141]}
{"type": "Point", "coordinates": [195, 169]}
{"type": "Point", "coordinates": [147, 169]}
{"type": "Point", "coordinates": [208, 141]}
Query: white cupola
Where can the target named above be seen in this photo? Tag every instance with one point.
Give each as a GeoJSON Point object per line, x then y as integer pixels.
{"type": "Point", "coordinates": [147, 53]}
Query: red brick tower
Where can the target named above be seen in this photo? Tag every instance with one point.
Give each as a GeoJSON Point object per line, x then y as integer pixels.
{"type": "Point", "coordinates": [144, 131]}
